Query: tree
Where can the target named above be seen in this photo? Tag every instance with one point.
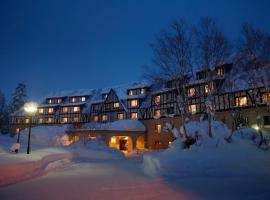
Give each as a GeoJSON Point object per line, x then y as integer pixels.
{"type": "Point", "coordinates": [254, 51]}
{"type": "Point", "coordinates": [19, 98]}
{"type": "Point", "coordinates": [3, 114]}
{"type": "Point", "coordinates": [172, 56]}
{"type": "Point", "coordinates": [212, 50]}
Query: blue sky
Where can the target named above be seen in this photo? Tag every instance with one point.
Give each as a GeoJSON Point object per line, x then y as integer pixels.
{"type": "Point", "coordinates": [55, 45]}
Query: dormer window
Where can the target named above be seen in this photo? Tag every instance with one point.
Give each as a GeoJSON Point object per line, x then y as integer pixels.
{"type": "Point", "coordinates": [191, 91]}
{"type": "Point", "coordinates": [142, 90]}
{"type": "Point", "coordinates": [157, 99]}
{"type": "Point", "coordinates": [104, 96]}
{"type": "Point", "coordinates": [73, 99]}
{"type": "Point", "coordinates": [134, 103]}
{"type": "Point", "coordinates": [130, 93]}
{"type": "Point", "coordinates": [116, 105]}
{"type": "Point", "coordinates": [83, 99]}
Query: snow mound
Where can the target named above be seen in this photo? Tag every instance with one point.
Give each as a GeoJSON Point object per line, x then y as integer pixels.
{"type": "Point", "coordinates": [47, 136]}
{"type": "Point", "coordinates": [209, 156]}
{"type": "Point", "coordinates": [93, 150]}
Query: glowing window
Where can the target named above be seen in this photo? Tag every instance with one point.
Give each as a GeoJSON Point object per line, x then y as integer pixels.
{"type": "Point", "coordinates": [104, 117]}
{"type": "Point", "coordinates": [95, 118]}
{"type": "Point", "coordinates": [50, 110]}
{"type": "Point", "coordinates": [142, 90]}
{"type": "Point", "coordinates": [76, 109]}
{"type": "Point", "coordinates": [75, 119]}
{"type": "Point", "coordinates": [40, 120]}
{"type": "Point", "coordinates": [158, 128]}
{"type": "Point", "coordinates": [65, 109]}
{"type": "Point", "coordinates": [265, 98]}
{"type": "Point", "coordinates": [157, 113]}
{"type": "Point", "coordinates": [49, 120]}
{"type": "Point", "coordinates": [50, 101]}
{"type": "Point", "coordinates": [130, 92]}
{"type": "Point", "coordinates": [134, 103]}
{"type": "Point", "coordinates": [40, 110]}
{"type": "Point", "coordinates": [241, 101]}
{"type": "Point", "coordinates": [191, 92]}
{"type": "Point", "coordinates": [64, 120]}
{"type": "Point", "coordinates": [157, 99]}
{"type": "Point", "coordinates": [83, 99]}
{"type": "Point", "coordinates": [17, 130]}
{"type": "Point", "coordinates": [116, 105]}
{"type": "Point", "coordinates": [134, 115]}
{"type": "Point", "coordinates": [73, 99]}
{"type": "Point", "coordinates": [27, 120]}
{"type": "Point", "coordinates": [59, 100]}
{"type": "Point", "coordinates": [120, 116]}
{"type": "Point", "coordinates": [192, 108]}
{"type": "Point", "coordinates": [220, 71]}
{"type": "Point", "coordinates": [206, 88]}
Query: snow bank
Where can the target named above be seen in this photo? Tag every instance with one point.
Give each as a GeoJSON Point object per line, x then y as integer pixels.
{"type": "Point", "coordinates": [210, 156]}
{"type": "Point", "coordinates": [47, 136]}
{"type": "Point", "coordinates": [94, 150]}
{"type": "Point", "coordinates": [119, 125]}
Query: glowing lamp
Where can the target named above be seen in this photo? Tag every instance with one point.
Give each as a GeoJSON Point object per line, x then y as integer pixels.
{"type": "Point", "coordinates": [30, 107]}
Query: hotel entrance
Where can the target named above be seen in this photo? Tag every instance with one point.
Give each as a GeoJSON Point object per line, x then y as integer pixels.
{"type": "Point", "coordinates": [122, 143]}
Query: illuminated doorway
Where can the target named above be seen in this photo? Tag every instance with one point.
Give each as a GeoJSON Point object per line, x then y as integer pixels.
{"type": "Point", "coordinates": [122, 143]}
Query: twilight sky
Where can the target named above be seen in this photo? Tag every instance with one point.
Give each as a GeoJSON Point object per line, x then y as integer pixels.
{"type": "Point", "coordinates": [52, 45]}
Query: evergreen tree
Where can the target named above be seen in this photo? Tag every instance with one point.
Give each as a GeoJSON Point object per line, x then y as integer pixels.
{"type": "Point", "coordinates": [19, 98]}
{"type": "Point", "coordinates": [3, 114]}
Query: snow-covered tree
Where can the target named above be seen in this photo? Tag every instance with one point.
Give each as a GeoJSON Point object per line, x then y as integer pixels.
{"type": "Point", "coordinates": [212, 50]}
{"type": "Point", "coordinates": [254, 51]}
{"type": "Point", "coordinates": [19, 98]}
{"type": "Point", "coordinates": [173, 61]}
{"type": "Point", "coordinates": [3, 114]}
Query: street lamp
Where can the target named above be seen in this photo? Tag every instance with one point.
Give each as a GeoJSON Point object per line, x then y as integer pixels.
{"type": "Point", "coordinates": [30, 108]}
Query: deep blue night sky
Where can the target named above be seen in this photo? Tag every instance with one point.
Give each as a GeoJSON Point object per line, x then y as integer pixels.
{"type": "Point", "coordinates": [54, 45]}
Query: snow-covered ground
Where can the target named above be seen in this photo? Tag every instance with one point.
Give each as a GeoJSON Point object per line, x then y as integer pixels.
{"type": "Point", "coordinates": [210, 169]}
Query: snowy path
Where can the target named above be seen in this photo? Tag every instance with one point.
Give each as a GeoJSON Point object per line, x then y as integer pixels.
{"type": "Point", "coordinates": [97, 181]}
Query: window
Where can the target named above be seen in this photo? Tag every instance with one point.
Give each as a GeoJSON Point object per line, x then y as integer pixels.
{"type": "Point", "coordinates": [95, 107]}
{"type": "Point", "coordinates": [64, 120]}
{"type": "Point", "coordinates": [191, 92]}
{"type": "Point", "coordinates": [206, 89]}
{"type": "Point", "coordinates": [116, 105]}
{"type": "Point", "coordinates": [265, 98]}
{"type": "Point", "coordinates": [157, 99]}
{"type": "Point", "coordinates": [130, 93]}
{"type": "Point", "coordinates": [83, 99]}
{"type": "Point", "coordinates": [220, 71]}
{"type": "Point", "coordinates": [158, 128]}
{"type": "Point", "coordinates": [75, 119]}
{"type": "Point", "coordinates": [266, 120]}
{"type": "Point", "coordinates": [40, 120]}
{"type": "Point", "coordinates": [73, 99]}
{"type": "Point", "coordinates": [50, 110]}
{"type": "Point", "coordinates": [76, 109]}
{"type": "Point", "coordinates": [241, 101]}
{"type": "Point", "coordinates": [192, 108]}
{"type": "Point", "coordinates": [95, 118]}
{"type": "Point", "coordinates": [134, 115]}
{"type": "Point", "coordinates": [27, 120]}
{"type": "Point", "coordinates": [120, 116]}
{"type": "Point", "coordinates": [40, 110]}
{"type": "Point", "coordinates": [17, 130]}
{"type": "Point", "coordinates": [157, 113]}
{"type": "Point", "coordinates": [104, 117]}
{"type": "Point", "coordinates": [134, 103]}
{"type": "Point", "coordinates": [49, 101]}
{"type": "Point", "coordinates": [104, 96]}
{"type": "Point", "coordinates": [65, 109]}
{"type": "Point", "coordinates": [49, 120]}
{"type": "Point", "coordinates": [59, 100]}
{"type": "Point", "coordinates": [142, 90]}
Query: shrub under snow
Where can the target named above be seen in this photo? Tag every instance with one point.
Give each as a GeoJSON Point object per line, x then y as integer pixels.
{"type": "Point", "coordinates": [210, 156]}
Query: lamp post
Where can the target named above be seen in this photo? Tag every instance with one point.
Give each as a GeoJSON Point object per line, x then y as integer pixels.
{"type": "Point", "coordinates": [30, 108]}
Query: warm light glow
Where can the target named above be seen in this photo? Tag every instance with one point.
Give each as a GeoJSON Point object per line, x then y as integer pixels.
{"type": "Point", "coordinates": [73, 99]}
{"type": "Point", "coordinates": [120, 116]}
{"type": "Point", "coordinates": [191, 92]}
{"type": "Point", "coordinates": [116, 105]}
{"type": "Point", "coordinates": [95, 118]}
{"type": "Point", "coordinates": [130, 92]}
{"type": "Point", "coordinates": [27, 120]}
{"type": "Point", "coordinates": [206, 88]}
{"type": "Point", "coordinates": [157, 99]}
{"type": "Point", "coordinates": [265, 98]}
{"type": "Point", "coordinates": [40, 120]}
{"type": "Point", "coordinates": [192, 108]}
{"type": "Point", "coordinates": [113, 140]}
{"type": "Point", "coordinates": [104, 117]}
{"type": "Point", "coordinates": [40, 110]}
{"type": "Point", "coordinates": [158, 128]}
{"type": "Point", "coordinates": [134, 115]}
{"type": "Point", "coordinates": [134, 103]}
{"type": "Point", "coordinates": [49, 120]}
{"type": "Point", "coordinates": [256, 127]}
{"type": "Point", "coordinates": [241, 101]}
{"type": "Point", "coordinates": [65, 109]}
{"type": "Point", "coordinates": [30, 107]}
{"type": "Point", "coordinates": [64, 120]}
{"type": "Point", "coordinates": [76, 109]}
{"type": "Point", "coordinates": [157, 113]}
{"type": "Point", "coordinates": [50, 110]}
{"type": "Point", "coordinates": [142, 90]}
{"type": "Point", "coordinates": [17, 130]}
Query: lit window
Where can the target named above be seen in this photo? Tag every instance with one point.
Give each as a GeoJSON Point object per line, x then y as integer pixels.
{"type": "Point", "coordinates": [265, 98]}
{"type": "Point", "coordinates": [49, 101]}
{"type": "Point", "coordinates": [206, 89]}
{"type": "Point", "coordinates": [75, 119]}
{"type": "Point", "coordinates": [49, 120]}
{"type": "Point", "coordinates": [104, 117]}
{"type": "Point", "coordinates": [95, 118]}
{"type": "Point", "coordinates": [142, 90]}
{"type": "Point", "coordinates": [65, 109]}
{"type": "Point", "coordinates": [40, 120]}
{"type": "Point", "coordinates": [40, 110]}
{"type": "Point", "coordinates": [191, 92]}
{"type": "Point", "coordinates": [157, 113]}
{"type": "Point", "coordinates": [64, 120]}
{"type": "Point", "coordinates": [73, 99]}
{"type": "Point", "coordinates": [17, 130]}
{"type": "Point", "coordinates": [76, 109]}
{"type": "Point", "coordinates": [241, 101]}
{"type": "Point", "coordinates": [116, 105]}
{"type": "Point", "coordinates": [50, 110]}
{"type": "Point", "coordinates": [134, 115]}
{"type": "Point", "coordinates": [120, 116]}
{"type": "Point", "coordinates": [192, 108]}
{"type": "Point", "coordinates": [158, 128]}
{"type": "Point", "coordinates": [220, 71]}
{"type": "Point", "coordinates": [113, 140]}
{"type": "Point", "coordinates": [130, 92]}
{"type": "Point", "coordinates": [157, 99]}
{"type": "Point", "coordinates": [83, 99]}
{"type": "Point", "coordinates": [59, 100]}
{"type": "Point", "coordinates": [134, 103]}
